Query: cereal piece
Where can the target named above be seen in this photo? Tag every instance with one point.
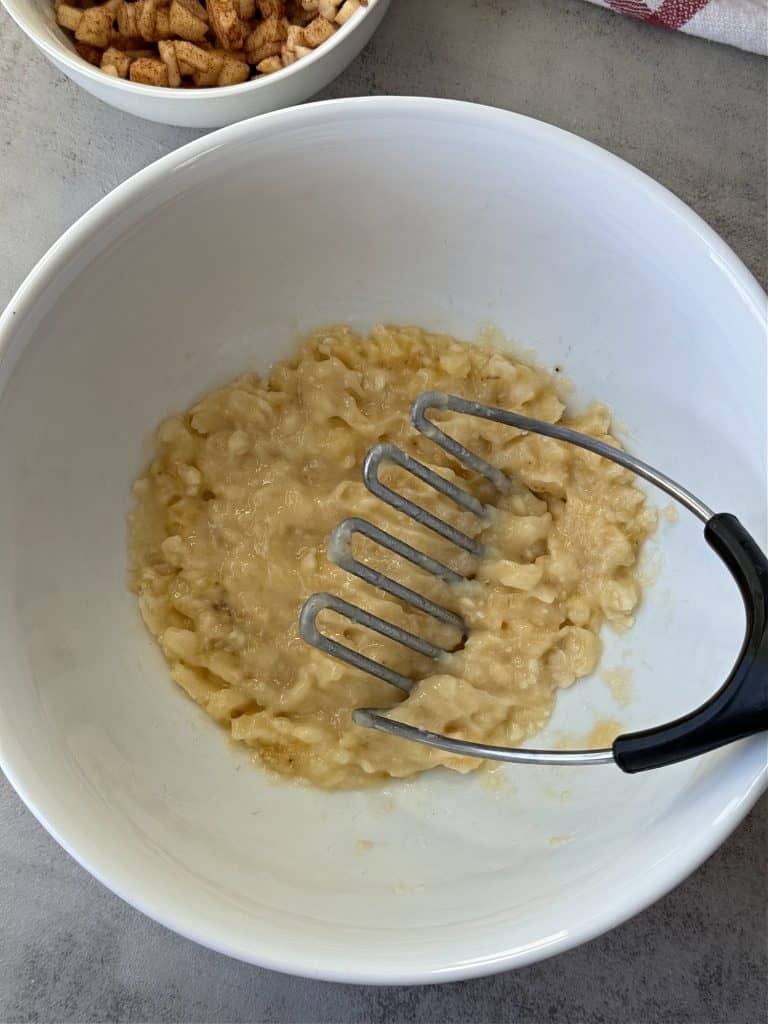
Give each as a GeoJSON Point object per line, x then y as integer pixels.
{"type": "Point", "coordinates": [269, 65]}
{"type": "Point", "coordinates": [127, 22]}
{"type": "Point", "coordinates": [209, 76]}
{"type": "Point", "coordinates": [163, 25]}
{"type": "Point", "coordinates": [146, 16]}
{"type": "Point", "coordinates": [318, 31]}
{"type": "Point", "coordinates": [185, 22]}
{"type": "Point", "coordinates": [191, 58]}
{"type": "Point", "coordinates": [263, 52]}
{"type": "Point", "coordinates": [89, 52]}
{"type": "Point", "coordinates": [295, 37]}
{"type": "Point", "coordinates": [246, 9]}
{"type": "Point", "coordinates": [116, 60]}
{"type": "Point", "coordinates": [109, 69]}
{"type": "Point", "coordinates": [153, 20]}
{"type": "Point", "coordinates": [167, 50]}
{"type": "Point", "coordinates": [327, 9]}
{"type": "Point", "coordinates": [272, 9]}
{"type": "Point", "coordinates": [271, 30]}
{"type": "Point", "coordinates": [205, 79]}
{"type": "Point", "coordinates": [266, 40]}
{"type": "Point", "coordinates": [233, 71]}
{"type": "Point", "coordinates": [346, 11]}
{"type": "Point", "coordinates": [68, 17]}
{"type": "Point", "coordinates": [149, 71]}
{"type": "Point", "coordinates": [95, 27]}
{"type": "Point", "coordinates": [205, 67]}
{"type": "Point", "coordinates": [225, 21]}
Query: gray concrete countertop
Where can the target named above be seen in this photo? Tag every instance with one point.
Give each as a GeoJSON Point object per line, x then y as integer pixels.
{"type": "Point", "coordinates": [691, 114]}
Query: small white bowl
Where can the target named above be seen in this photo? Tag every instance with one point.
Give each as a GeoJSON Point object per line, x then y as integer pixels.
{"type": "Point", "coordinates": [407, 210]}
{"type": "Point", "coordinates": [200, 108]}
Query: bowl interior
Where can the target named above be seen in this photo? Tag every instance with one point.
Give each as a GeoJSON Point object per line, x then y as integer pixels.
{"type": "Point", "coordinates": [210, 263]}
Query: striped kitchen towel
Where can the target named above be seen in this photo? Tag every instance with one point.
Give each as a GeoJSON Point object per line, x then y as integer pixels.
{"type": "Point", "coordinates": [742, 23]}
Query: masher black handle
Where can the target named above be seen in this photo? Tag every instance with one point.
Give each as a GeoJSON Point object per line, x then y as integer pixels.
{"type": "Point", "coordinates": [740, 707]}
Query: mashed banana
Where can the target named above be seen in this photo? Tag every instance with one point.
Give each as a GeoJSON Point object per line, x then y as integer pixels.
{"type": "Point", "coordinates": [231, 528]}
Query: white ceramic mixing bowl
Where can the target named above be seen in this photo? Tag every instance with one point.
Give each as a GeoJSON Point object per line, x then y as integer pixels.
{"type": "Point", "coordinates": [200, 108]}
{"type": "Point", "coordinates": [207, 264]}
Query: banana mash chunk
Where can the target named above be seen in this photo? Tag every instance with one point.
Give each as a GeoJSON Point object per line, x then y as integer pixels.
{"type": "Point", "coordinates": [230, 533]}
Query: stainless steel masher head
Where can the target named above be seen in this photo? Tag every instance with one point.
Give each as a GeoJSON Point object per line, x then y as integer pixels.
{"type": "Point", "coordinates": [737, 710]}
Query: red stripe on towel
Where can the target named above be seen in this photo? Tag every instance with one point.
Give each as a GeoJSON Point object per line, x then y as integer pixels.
{"type": "Point", "coordinates": [670, 13]}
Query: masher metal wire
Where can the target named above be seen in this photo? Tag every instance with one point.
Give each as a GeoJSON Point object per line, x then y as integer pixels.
{"type": "Point", "coordinates": [738, 709]}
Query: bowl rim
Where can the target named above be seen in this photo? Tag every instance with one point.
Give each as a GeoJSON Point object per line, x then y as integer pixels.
{"type": "Point", "coordinates": [745, 783]}
{"type": "Point", "coordinates": [74, 62]}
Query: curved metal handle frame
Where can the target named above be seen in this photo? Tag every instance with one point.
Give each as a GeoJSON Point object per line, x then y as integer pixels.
{"type": "Point", "coordinates": [740, 706]}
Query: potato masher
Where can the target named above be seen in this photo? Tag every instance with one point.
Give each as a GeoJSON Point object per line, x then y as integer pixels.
{"type": "Point", "coordinates": [738, 709]}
